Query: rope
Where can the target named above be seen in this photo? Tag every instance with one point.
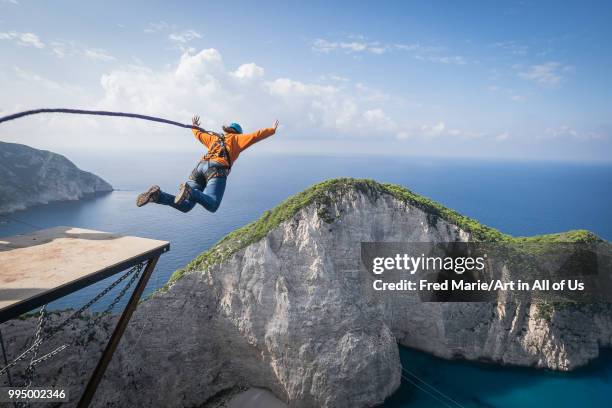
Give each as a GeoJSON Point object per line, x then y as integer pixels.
{"type": "Point", "coordinates": [443, 395]}
{"type": "Point", "coordinates": [427, 392]}
{"type": "Point", "coordinates": [18, 115]}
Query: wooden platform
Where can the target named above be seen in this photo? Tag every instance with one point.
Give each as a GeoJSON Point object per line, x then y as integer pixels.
{"type": "Point", "coordinates": [48, 264]}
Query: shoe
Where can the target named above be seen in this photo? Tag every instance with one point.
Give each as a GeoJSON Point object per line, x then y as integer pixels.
{"type": "Point", "coordinates": [151, 196]}
{"type": "Point", "coordinates": [183, 194]}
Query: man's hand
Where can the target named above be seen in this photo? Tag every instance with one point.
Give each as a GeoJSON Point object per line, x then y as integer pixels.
{"type": "Point", "coordinates": [196, 120]}
{"type": "Point", "coordinates": [275, 124]}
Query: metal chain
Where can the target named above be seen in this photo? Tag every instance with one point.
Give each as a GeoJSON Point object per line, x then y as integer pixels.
{"type": "Point", "coordinates": [72, 317]}
{"type": "Point", "coordinates": [34, 363]}
{"type": "Point", "coordinates": [92, 322]}
{"type": "Point", "coordinates": [79, 312]}
{"type": "Point", "coordinates": [37, 342]}
{"type": "Point", "coordinates": [49, 355]}
{"type": "Point", "coordinates": [121, 294]}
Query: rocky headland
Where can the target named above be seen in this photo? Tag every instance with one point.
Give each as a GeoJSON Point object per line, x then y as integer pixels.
{"type": "Point", "coordinates": [30, 177]}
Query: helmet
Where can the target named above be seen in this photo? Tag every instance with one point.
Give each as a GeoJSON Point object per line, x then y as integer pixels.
{"type": "Point", "coordinates": [236, 127]}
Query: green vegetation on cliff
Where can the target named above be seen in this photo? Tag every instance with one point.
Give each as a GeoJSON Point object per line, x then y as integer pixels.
{"type": "Point", "coordinates": [322, 194]}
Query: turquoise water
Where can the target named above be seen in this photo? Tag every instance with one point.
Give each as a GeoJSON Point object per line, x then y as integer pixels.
{"type": "Point", "coordinates": [487, 386]}
{"type": "Point", "coordinates": [520, 198]}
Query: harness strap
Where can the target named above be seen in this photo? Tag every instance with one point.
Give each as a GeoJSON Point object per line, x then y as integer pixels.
{"type": "Point", "coordinates": [210, 173]}
{"type": "Point", "coordinates": [215, 171]}
{"type": "Point", "coordinates": [225, 153]}
{"type": "Point", "coordinates": [227, 156]}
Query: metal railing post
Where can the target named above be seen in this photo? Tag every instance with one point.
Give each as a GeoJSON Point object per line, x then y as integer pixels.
{"type": "Point", "coordinates": [115, 338]}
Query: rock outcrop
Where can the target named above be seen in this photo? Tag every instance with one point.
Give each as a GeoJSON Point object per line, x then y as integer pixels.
{"type": "Point", "coordinates": [279, 304]}
{"type": "Point", "coordinates": [30, 176]}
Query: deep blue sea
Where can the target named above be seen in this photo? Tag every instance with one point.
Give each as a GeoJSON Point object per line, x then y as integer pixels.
{"type": "Point", "coordinates": [520, 198]}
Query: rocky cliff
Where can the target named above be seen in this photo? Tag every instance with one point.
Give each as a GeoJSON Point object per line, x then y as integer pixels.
{"type": "Point", "coordinates": [279, 304]}
{"type": "Point", "coordinates": [30, 176]}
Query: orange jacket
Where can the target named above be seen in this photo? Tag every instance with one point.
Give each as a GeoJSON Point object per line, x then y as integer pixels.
{"type": "Point", "coordinates": [234, 144]}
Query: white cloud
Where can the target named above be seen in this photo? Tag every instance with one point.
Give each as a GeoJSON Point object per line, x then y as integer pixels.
{"type": "Point", "coordinates": [23, 39]}
{"type": "Point", "coordinates": [456, 60]}
{"type": "Point", "coordinates": [98, 54]}
{"type": "Point", "coordinates": [358, 44]}
{"type": "Point", "coordinates": [508, 92]}
{"type": "Point", "coordinates": [502, 136]}
{"type": "Point", "coordinates": [324, 46]}
{"type": "Point", "coordinates": [249, 71]}
{"type": "Point", "coordinates": [380, 120]}
{"type": "Point", "coordinates": [33, 77]}
{"type": "Point", "coordinates": [184, 37]}
{"type": "Point", "coordinates": [30, 39]}
{"type": "Point", "coordinates": [440, 129]}
{"type": "Point", "coordinates": [71, 49]}
{"type": "Point", "coordinates": [548, 73]}
{"type": "Point", "coordinates": [513, 47]}
{"type": "Point", "coordinates": [433, 130]}
{"type": "Point", "coordinates": [201, 83]}
{"type": "Point", "coordinates": [568, 132]}
{"type": "Point", "coordinates": [26, 89]}
{"type": "Point", "coordinates": [60, 49]}
{"type": "Point", "coordinates": [15, 2]}
{"type": "Point", "coordinates": [407, 47]}
{"type": "Point", "coordinates": [375, 115]}
{"type": "Point", "coordinates": [156, 26]}
{"type": "Point", "coordinates": [333, 77]}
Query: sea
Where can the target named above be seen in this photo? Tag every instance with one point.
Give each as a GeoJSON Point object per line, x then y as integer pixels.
{"type": "Point", "coordinates": [517, 197]}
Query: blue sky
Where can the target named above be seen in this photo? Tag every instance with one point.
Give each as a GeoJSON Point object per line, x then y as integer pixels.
{"type": "Point", "coordinates": [491, 79]}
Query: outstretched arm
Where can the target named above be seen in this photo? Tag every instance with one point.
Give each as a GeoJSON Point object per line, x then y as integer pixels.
{"type": "Point", "coordinates": [203, 137]}
{"type": "Point", "coordinates": [249, 139]}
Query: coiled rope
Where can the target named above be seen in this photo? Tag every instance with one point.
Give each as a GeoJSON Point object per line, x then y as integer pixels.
{"type": "Point", "coordinates": [18, 115]}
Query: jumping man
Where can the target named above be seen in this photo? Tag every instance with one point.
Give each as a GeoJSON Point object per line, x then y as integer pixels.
{"type": "Point", "coordinates": [207, 181]}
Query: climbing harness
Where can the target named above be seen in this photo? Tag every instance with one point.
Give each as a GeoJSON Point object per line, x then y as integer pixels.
{"type": "Point", "coordinates": [215, 171]}
{"type": "Point", "coordinates": [210, 173]}
{"type": "Point", "coordinates": [224, 153]}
